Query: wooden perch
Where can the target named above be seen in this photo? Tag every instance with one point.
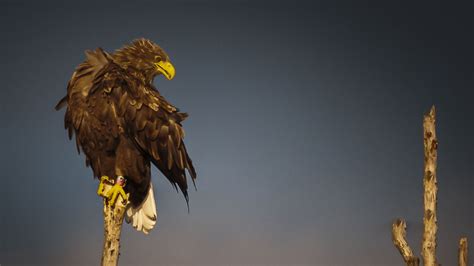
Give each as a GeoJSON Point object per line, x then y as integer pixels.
{"type": "Point", "coordinates": [114, 213]}
{"type": "Point", "coordinates": [463, 252]}
{"type": "Point", "coordinates": [428, 245]}
{"type": "Point", "coordinates": [400, 242]}
{"type": "Point", "coordinates": [113, 219]}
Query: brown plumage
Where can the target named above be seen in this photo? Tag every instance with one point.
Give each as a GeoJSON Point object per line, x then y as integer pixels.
{"type": "Point", "coordinates": [122, 123]}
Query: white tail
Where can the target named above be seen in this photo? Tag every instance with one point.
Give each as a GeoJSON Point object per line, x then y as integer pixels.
{"type": "Point", "coordinates": [144, 217]}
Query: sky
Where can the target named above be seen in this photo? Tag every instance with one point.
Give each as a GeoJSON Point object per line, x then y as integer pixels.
{"type": "Point", "coordinates": [305, 129]}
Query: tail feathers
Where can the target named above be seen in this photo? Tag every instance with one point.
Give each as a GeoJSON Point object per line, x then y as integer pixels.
{"type": "Point", "coordinates": [143, 218]}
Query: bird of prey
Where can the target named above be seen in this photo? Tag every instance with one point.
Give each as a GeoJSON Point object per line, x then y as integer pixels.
{"type": "Point", "coordinates": [123, 124]}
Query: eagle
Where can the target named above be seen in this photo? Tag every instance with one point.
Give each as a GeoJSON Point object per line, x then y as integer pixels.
{"type": "Point", "coordinates": [123, 124]}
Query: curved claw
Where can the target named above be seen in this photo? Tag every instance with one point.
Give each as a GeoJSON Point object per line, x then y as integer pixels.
{"type": "Point", "coordinates": [104, 178]}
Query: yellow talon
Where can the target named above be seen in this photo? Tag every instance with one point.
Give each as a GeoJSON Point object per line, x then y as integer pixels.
{"type": "Point", "coordinates": [114, 192]}
{"type": "Point", "coordinates": [117, 190]}
{"type": "Point", "coordinates": [100, 190]}
{"type": "Point", "coordinates": [110, 190]}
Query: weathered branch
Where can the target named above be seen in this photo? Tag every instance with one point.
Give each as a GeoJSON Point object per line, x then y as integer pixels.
{"type": "Point", "coordinates": [114, 212]}
{"type": "Point", "coordinates": [462, 255]}
{"type": "Point", "coordinates": [400, 242]}
{"type": "Point", "coordinates": [428, 245]}
{"type": "Point", "coordinates": [113, 218]}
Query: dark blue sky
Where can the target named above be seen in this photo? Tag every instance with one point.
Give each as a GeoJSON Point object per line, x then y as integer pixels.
{"type": "Point", "coordinates": [305, 128]}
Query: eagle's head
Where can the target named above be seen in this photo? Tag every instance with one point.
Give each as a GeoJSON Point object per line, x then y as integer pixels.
{"type": "Point", "coordinates": [146, 58]}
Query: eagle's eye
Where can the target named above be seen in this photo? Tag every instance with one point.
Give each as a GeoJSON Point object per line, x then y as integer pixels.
{"type": "Point", "coordinates": [157, 58]}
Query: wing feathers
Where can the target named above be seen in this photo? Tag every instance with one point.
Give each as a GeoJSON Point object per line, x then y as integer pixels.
{"type": "Point", "coordinates": [61, 103]}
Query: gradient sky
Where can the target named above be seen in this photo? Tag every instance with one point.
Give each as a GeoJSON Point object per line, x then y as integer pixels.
{"type": "Point", "coordinates": [305, 128]}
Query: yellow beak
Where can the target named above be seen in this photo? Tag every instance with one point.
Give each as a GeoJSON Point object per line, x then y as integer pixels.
{"type": "Point", "coordinates": [166, 68]}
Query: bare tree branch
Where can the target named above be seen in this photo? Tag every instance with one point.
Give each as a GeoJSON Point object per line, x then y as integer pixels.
{"type": "Point", "coordinates": [428, 245]}
{"type": "Point", "coordinates": [114, 212]}
{"type": "Point", "coordinates": [462, 255]}
{"type": "Point", "coordinates": [400, 242]}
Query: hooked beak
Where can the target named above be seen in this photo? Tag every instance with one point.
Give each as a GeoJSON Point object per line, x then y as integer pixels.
{"type": "Point", "coordinates": [165, 68]}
